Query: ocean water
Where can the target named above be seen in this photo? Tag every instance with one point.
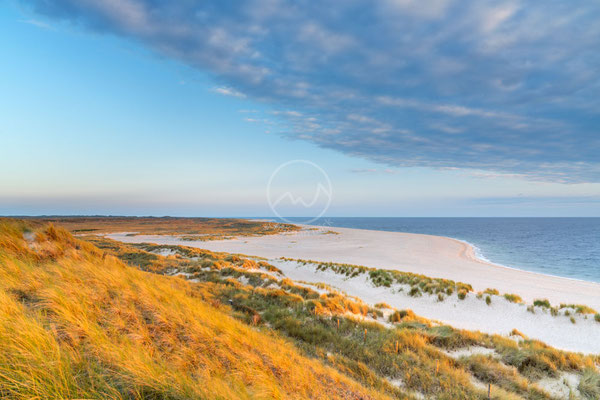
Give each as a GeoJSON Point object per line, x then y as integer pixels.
{"type": "Point", "coordinates": [567, 247]}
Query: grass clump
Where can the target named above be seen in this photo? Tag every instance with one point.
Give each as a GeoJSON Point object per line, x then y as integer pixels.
{"type": "Point", "coordinates": [462, 294]}
{"type": "Point", "coordinates": [578, 308]}
{"type": "Point", "coordinates": [490, 371]}
{"type": "Point", "coordinates": [488, 300]}
{"type": "Point", "coordinates": [589, 385]}
{"type": "Point", "coordinates": [513, 298]}
{"type": "Point", "coordinates": [531, 309]}
{"type": "Point", "coordinates": [516, 332]}
{"type": "Point", "coordinates": [401, 315]}
{"type": "Point", "coordinates": [381, 277]}
{"type": "Point", "coordinates": [597, 317]}
{"type": "Point", "coordinates": [544, 303]}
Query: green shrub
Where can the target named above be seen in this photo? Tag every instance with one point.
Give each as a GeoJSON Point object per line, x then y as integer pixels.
{"type": "Point", "coordinates": [541, 303]}
{"type": "Point", "coordinates": [597, 317]}
{"type": "Point", "coordinates": [462, 294]}
{"type": "Point", "coordinates": [381, 277]}
{"type": "Point", "coordinates": [488, 300]}
{"type": "Point", "coordinates": [414, 291]}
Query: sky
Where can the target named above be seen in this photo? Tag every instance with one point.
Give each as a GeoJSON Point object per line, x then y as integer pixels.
{"type": "Point", "coordinates": [276, 107]}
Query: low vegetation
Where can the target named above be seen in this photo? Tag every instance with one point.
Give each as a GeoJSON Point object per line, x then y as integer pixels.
{"type": "Point", "coordinates": [513, 298]}
{"type": "Point", "coordinates": [76, 322]}
{"type": "Point", "coordinates": [589, 385]}
{"type": "Point", "coordinates": [103, 319]}
{"type": "Point", "coordinates": [193, 228]}
{"type": "Point", "coordinates": [578, 308]}
{"type": "Point", "coordinates": [544, 303]}
{"type": "Point", "coordinates": [418, 283]}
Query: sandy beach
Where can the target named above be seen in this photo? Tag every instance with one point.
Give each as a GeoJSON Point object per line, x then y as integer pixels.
{"type": "Point", "coordinates": [433, 256]}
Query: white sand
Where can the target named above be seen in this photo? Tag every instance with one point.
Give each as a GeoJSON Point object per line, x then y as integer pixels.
{"type": "Point", "coordinates": [433, 256]}
{"type": "Point", "coordinates": [500, 317]}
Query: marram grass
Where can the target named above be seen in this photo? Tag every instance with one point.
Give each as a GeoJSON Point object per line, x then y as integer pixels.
{"type": "Point", "coordinates": [81, 322]}
{"type": "Point", "coordinates": [77, 323]}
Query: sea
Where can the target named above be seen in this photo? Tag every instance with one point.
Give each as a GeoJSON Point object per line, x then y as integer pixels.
{"type": "Point", "coordinates": [567, 247]}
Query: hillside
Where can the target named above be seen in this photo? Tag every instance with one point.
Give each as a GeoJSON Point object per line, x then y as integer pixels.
{"type": "Point", "coordinates": [96, 318]}
{"type": "Point", "coordinates": [78, 323]}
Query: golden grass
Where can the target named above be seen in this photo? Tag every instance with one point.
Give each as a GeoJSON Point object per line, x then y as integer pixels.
{"type": "Point", "coordinates": [513, 298]}
{"type": "Point", "coordinates": [579, 308]}
{"type": "Point", "coordinates": [164, 225]}
{"type": "Point", "coordinates": [77, 323]}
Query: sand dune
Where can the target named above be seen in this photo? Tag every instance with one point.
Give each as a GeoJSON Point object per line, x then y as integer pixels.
{"type": "Point", "coordinates": [434, 256]}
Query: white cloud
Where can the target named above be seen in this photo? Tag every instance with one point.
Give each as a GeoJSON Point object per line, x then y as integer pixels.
{"type": "Point", "coordinates": [493, 17]}
{"type": "Point", "coordinates": [228, 91]}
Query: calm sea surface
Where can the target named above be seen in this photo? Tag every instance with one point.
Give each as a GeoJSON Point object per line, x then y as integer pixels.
{"type": "Point", "coordinates": [568, 247]}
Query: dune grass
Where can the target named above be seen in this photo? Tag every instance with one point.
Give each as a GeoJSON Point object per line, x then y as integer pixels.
{"type": "Point", "coordinates": [578, 308]}
{"type": "Point", "coordinates": [589, 385]}
{"type": "Point", "coordinates": [321, 326]}
{"type": "Point", "coordinates": [420, 285]}
{"type": "Point", "coordinates": [492, 371]}
{"type": "Point", "coordinates": [544, 303]}
{"type": "Point", "coordinates": [76, 322]}
{"type": "Point", "coordinates": [383, 277]}
{"type": "Point", "coordinates": [513, 298]}
{"type": "Point", "coordinates": [215, 325]}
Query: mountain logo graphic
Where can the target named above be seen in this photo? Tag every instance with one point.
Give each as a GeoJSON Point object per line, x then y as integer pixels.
{"type": "Point", "coordinates": [317, 204]}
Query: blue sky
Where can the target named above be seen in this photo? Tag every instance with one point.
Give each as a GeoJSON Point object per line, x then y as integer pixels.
{"type": "Point", "coordinates": [429, 108]}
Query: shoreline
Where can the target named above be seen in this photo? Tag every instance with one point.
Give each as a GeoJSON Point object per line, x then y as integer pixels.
{"type": "Point", "coordinates": [478, 257]}
{"type": "Point", "coordinates": [430, 255]}
{"type": "Point", "coordinates": [471, 252]}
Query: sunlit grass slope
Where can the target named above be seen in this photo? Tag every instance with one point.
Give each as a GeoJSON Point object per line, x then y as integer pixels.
{"type": "Point", "coordinates": [78, 323]}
